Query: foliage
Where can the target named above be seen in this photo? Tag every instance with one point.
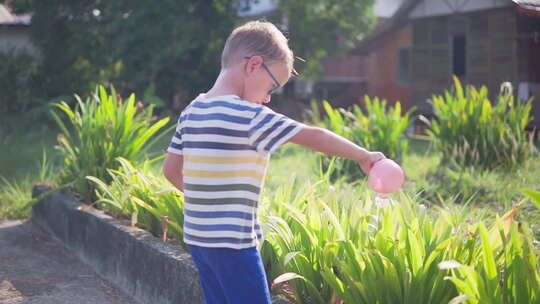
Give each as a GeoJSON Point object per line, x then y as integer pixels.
{"type": "Point", "coordinates": [72, 51]}
{"type": "Point", "coordinates": [470, 131]}
{"type": "Point", "coordinates": [329, 243]}
{"type": "Point", "coordinates": [15, 195]}
{"type": "Point", "coordinates": [331, 247]}
{"type": "Point", "coordinates": [377, 128]}
{"type": "Point", "coordinates": [534, 195]}
{"type": "Point", "coordinates": [103, 128]}
{"type": "Point", "coordinates": [120, 41]}
{"type": "Point", "coordinates": [171, 54]}
{"type": "Point", "coordinates": [83, 43]}
{"type": "Point", "coordinates": [320, 28]}
{"type": "Point", "coordinates": [140, 196]}
{"type": "Point", "coordinates": [17, 83]}
{"type": "Point", "coordinates": [507, 268]}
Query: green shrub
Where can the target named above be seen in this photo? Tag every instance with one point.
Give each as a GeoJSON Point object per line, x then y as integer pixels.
{"type": "Point", "coordinates": [104, 127]}
{"type": "Point", "coordinates": [378, 128]}
{"type": "Point", "coordinates": [506, 269]}
{"type": "Point", "coordinates": [330, 246]}
{"type": "Point", "coordinates": [17, 83]}
{"type": "Point", "coordinates": [334, 244]}
{"type": "Point", "coordinates": [470, 131]}
{"type": "Point", "coordinates": [141, 197]}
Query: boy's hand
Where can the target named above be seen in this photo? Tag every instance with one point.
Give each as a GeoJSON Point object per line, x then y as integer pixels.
{"type": "Point", "coordinates": [367, 161]}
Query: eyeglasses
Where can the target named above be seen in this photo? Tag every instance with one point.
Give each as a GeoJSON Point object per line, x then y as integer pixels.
{"type": "Point", "coordinates": [274, 89]}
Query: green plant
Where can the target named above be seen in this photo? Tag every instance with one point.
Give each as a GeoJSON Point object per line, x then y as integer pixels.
{"type": "Point", "coordinates": [329, 247]}
{"type": "Point", "coordinates": [470, 131]}
{"type": "Point", "coordinates": [534, 195]}
{"type": "Point", "coordinates": [506, 268]}
{"type": "Point", "coordinates": [325, 245]}
{"type": "Point", "coordinates": [15, 194]}
{"type": "Point", "coordinates": [137, 195]}
{"type": "Point", "coordinates": [104, 127]}
{"type": "Point", "coordinates": [378, 128]}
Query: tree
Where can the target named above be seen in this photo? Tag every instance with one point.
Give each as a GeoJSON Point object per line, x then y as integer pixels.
{"type": "Point", "coordinates": [168, 47]}
{"type": "Point", "coordinates": [324, 28]}
{"type": "Point", "coordinates": [173, 44]}
{"type": "Point", "coordinates": [71, 47]}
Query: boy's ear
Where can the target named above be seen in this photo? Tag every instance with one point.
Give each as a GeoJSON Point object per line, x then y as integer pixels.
{"type": "Point", "coordinates": [253, 63]}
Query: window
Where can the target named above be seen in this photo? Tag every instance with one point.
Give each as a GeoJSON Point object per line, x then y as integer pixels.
{"type": "Point", "coordinates": [459, 58]}
{"type": "Point", "coordinates": [404, 65]}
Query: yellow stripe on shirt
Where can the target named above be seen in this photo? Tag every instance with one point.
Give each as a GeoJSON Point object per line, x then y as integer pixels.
{"type": "Point", "coordinates": [223, 174]}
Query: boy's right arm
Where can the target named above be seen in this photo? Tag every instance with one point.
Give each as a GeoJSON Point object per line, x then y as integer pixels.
{"type": "Point", "coordinates": [172, 169]}
{"type": "Point", "coordinates": [329, 143]}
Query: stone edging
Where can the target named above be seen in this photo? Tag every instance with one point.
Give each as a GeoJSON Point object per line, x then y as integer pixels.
{"type": "Point", "coordinates": [148, 269]}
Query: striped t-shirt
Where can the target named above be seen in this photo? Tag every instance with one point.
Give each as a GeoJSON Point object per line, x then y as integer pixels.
{"type": "Point", "coordinates": [226, 144]}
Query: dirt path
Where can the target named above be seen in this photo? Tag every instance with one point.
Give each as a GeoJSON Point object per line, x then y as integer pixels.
{"type": "Point", "coordinates": [36, 269]}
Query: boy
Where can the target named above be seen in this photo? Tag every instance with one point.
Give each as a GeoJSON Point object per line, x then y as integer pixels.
{"type": "Point", "coordinates": [219, 155]}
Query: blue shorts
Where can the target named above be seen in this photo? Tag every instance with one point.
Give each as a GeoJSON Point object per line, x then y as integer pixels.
{"type": "Point", "coordinates": [231, 276]}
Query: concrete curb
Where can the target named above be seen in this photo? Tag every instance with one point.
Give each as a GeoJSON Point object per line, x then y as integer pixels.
{"type": "Point", "coordinates": [148, 269]}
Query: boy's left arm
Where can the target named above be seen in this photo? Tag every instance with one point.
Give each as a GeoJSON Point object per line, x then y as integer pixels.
{"type": "Point", "coordinates": [330, 143]}
{"type": "Point", "coordinates": [172, 170]}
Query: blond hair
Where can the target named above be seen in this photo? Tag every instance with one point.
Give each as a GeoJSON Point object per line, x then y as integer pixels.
{"type": "Point", "coordinates": [257, 38]}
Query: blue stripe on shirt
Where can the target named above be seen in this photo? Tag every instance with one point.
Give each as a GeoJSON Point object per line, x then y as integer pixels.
{"type": "Point", "coordinates": [268, 131]}
{"type": "Point", "coordinates": [217, 240]}
{"type": "Point", "coordinates": [216, 145]}
{"type": "Point", "coordinates": [176, 146]}
{"type": "Point", "coordinates": [207, 105]}
{"type": "Point", "coordinates": [218, 227]}
{"type": "Point", "coordinates": [218, 214]}
{"type": "Point", "coordinates": [220, 116]}
{"type": "Point", "coordinates": [216, 131]}
{"type": "Point", "coordinates": [283, 133]}
{"type": "Point", "coordinates": [261, 123]}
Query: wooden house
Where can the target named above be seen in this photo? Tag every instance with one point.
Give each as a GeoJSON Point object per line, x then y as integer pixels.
{"type": "Point", "coordinates": [414, 54]}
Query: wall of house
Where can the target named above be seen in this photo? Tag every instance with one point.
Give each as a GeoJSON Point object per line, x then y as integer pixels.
{"type": "Point", "coordinates": [343, 81]}
{"type": "Point", "coordinates": [17, 39]}
{"type": "Point", "coordinates": [528, 40]}
{"type": "Point", "coordinates": [491, 52]}
{"type": "Point", "coordinates": [348, 79]}
{"type": "Point", "coordinates": [382, 68]}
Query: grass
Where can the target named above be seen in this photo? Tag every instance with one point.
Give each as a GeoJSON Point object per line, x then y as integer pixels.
{"type": "Point", "coordinates": [21, 151]}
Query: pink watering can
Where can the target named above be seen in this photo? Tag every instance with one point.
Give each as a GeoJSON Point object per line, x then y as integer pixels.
{"type": "Point", "coordinates": [385, 177]}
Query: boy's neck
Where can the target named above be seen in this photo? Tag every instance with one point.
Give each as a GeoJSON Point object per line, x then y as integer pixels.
{"type": "Point", "coordinates": [225, 85]}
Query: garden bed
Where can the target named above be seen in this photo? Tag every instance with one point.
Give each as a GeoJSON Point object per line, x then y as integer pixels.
{"type": "Point", "coordinates": [150, 270]}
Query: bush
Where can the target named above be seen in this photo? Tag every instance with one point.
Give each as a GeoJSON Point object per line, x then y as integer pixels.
{"type": "Point", "coordinates": [335, 244]}
{"type": "Point", "coordinates": [378, 128]}
{"type": "Point", "coordinates": [470, 131]}
{"type": "Point", "coordinates": [139, 196]}
{"type": "Point", "coordinates": [507, 270]}
{"type": "Point", "coordinates": [104, 127]}
{"type": "Point", "coordinates": [17, 72]}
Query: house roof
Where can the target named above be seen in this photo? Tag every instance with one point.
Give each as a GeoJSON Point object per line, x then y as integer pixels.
{"type": "Point", "coordinates": [530, 7]}
{"type": "Point", "coordinates": [528, 4]}
{"type": "Point", "coordinates": [8, 18]}
{"type": "Point", "coordinates": [400, 18]}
